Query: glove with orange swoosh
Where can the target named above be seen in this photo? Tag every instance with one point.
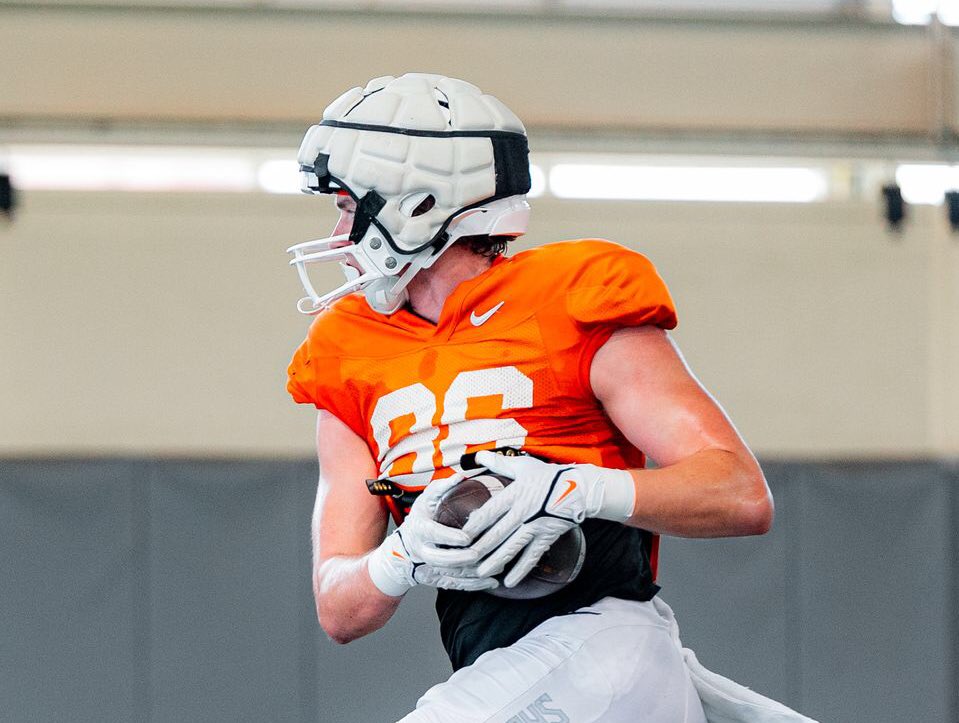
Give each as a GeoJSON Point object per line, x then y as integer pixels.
{"type": "Point", "coordinates": [421, 551]}
{"type": "Point", "coordinates": [544, 501]}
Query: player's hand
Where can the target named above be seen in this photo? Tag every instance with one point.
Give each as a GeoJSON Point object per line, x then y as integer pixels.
{"type": "Point", "coordinates": [421, 551]}
{"type": "Point", "coordinates": [544, 501]}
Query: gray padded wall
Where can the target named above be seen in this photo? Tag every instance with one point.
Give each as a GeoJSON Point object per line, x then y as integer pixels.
{"type": "Point", "coordinates": [148, 590]}
{"type": "Point", "coordinates": [734, 599]}
{"type": "Point", "coordinates": [886, 604]}
{"type": "Point", "coordinates": [70, 613]}
{"type": "Point", "coordinates": [229, 585]}
{"type": "Point", "coordinates": [847, 608]}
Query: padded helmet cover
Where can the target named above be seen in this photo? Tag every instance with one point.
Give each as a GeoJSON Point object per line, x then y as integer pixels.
{"type": "Point", "coordinates": [398, 141]}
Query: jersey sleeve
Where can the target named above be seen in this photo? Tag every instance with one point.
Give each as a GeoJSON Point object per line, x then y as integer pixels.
{"type": "Point", "coordinates": [301, 379]}
{"type": "Point", "coordinates": [615, 288]}
{"type": "Point", "coordinates": [318, 375]}
{"type": "Point", "coordinates": [618, 287]}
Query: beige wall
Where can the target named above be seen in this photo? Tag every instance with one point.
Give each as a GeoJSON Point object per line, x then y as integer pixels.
{"type": "Point", "coordinates": [276, 66]}
{"type": "Point", "coordinates": [163, 323]}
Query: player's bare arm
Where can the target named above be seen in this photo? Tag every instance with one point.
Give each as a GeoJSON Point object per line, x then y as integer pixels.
{"type": "Point", "coordinates": [359, 578]}
{"type": "Point", "coordinates": [708, 483]}
{"type": "Point", "coordinates": [348, 523]}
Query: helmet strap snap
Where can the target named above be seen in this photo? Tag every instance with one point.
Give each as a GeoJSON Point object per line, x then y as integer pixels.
{"type": "Point", "coordinates": [366, 210]}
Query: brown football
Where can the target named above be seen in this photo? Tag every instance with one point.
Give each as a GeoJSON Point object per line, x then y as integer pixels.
{"type": "Point", "coordinates": [558, 566]}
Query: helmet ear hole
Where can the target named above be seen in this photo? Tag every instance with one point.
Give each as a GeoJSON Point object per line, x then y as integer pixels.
{"type": "Point", "coordinates": [416, 204]}
{"type": "Point", "coordinates": [424, 206]}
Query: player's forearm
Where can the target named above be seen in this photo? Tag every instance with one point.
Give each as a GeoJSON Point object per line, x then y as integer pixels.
{"type": "Point", "coordinates": [348, 604]}
{"type": "Point", "coordinates": [713, 493]}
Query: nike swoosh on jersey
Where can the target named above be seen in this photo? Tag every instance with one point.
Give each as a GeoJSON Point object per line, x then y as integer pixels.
{"type": "Point", "coordinates": [483, 318]}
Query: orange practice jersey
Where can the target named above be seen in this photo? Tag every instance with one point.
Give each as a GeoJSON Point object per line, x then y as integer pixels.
{"type": "Point", "coordinates": [507, 364]}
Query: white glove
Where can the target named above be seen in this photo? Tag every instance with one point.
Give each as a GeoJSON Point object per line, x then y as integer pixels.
{"type": "Point", "coordinates": [544, 501]}
{"type": "Point", "coordinates": [421, 551]}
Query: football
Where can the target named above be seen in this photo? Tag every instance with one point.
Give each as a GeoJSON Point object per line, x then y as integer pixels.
{"type": "Point", "coordinates": [558, 566]}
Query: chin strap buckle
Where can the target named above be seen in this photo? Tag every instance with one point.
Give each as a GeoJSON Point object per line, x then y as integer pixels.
{"type": "Point", "coordinates": [367, 209]}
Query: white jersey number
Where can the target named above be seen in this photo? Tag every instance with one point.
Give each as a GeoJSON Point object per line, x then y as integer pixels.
{"type": "Point", "coordinates": [416, 400]}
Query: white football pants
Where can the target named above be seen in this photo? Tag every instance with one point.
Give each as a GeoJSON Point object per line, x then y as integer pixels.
{"type": "Point", "coordinates": [614, 662]}
{"type": "Point", "coordinates": [618, 661]}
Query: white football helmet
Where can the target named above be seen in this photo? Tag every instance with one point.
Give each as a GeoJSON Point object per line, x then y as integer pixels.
{"type": "Point", "coordinates": [428, 160]}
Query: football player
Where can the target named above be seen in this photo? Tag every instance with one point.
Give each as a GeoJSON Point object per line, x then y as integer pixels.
{"type": "Point", "coordinates": [436, 346]}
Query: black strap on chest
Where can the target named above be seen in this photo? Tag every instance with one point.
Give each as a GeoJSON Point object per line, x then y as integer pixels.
{"type": "Point", "coordinates": [398, 500]}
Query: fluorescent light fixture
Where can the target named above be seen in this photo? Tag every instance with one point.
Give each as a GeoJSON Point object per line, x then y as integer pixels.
{"type": "Point", "coordinates": [111, 168]}
{"type": "Point", "coordinates": [688, 183]}
{"type": "Point", "coordinates": [537, 178]}
{"type": "Point", "coordinates": [949, 12]}
{"type": "Point", "coordinates": [914, 12]}
{"type": "Point", "coordinates": [279, 176]}
{"type": "Point", "coordinates": [157, 169]}
{"type": "Point", "coordinates": [609, 175]}
{"type": "Point", "coordinates": [926, 183]}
